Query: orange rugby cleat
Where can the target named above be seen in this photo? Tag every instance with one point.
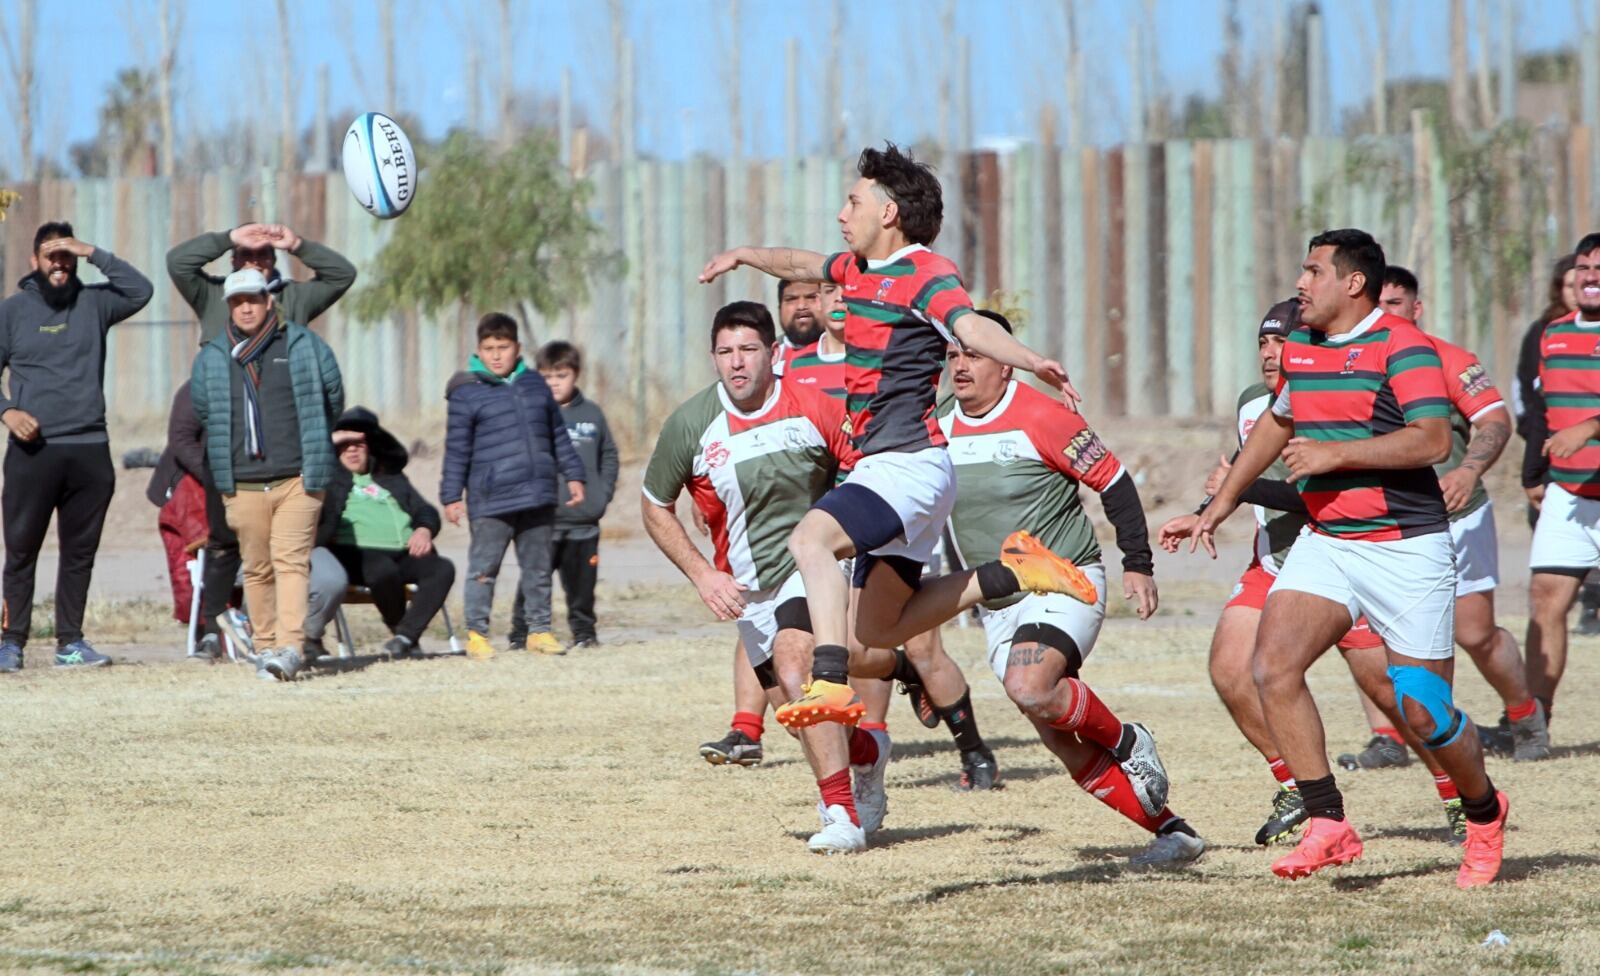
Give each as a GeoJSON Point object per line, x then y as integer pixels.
{"type": "Point", "coordinates": [823, 701]}
{"type": "Point", "coordinates": [1039, 570]}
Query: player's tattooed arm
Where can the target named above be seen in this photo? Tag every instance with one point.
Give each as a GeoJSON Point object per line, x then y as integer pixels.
{"type": "Point", "coordinates": [788, 263]}
{"type": "Point", "coordinates": [1490, 433]}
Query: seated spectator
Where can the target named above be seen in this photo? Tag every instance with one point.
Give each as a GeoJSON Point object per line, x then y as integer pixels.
{"type": "Point", "coordinates": [381, 531]}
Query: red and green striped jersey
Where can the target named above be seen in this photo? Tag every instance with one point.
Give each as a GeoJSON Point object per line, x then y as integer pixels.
{"type": "Point", "coordinates": [1018, 467]}
{"type": "Point", "coordinates": [754, 475]}
{"type": "Point", "coordinates": [811, 367]}
{"type": "Point", "coordinates": [1569, 375]}
{"type": "Point", "coordinates": [897, 328]}
{"type": "Point", "coordinates": [1472, 394]}
{"type": "Point", "coordinates": [1370, 381]}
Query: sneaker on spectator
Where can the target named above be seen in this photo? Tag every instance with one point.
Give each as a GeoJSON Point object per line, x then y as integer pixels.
{"type": "Point", "coordinates": [80, 654]}
{"type": "Point", "coordinates": [398, 647]}
{"type": "Point", "coordinates": [285, 664]}
{"type": "Point", "coordinates": [10, 657]}
{"type": "Point", "coordinates": [207, 650]}
{"type": "Point", "coordinates": [236, 627]}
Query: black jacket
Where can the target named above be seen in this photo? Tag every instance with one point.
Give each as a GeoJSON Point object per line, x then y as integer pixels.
{"type": "Point", "coordinates": [389, 459]}
{"type": "Point", "coordinates": [185, 452]}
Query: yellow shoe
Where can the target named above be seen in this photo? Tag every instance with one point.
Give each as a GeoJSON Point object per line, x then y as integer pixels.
{"type": "Point", "coordinates": [545, 643]}
{"type": "Point", "coordinates": [823, 701]}
{"type": "Point", "coordinates": [478, 646]}
{"type": "Point", "coordinates": [1039, 570]}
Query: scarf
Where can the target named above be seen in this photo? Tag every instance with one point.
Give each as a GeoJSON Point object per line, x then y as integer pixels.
{"type": "Point", "coordinates": [248, 350]}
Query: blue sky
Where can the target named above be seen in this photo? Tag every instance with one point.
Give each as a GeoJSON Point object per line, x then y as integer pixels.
{"type": "Point", "coordinates": [895, 52]}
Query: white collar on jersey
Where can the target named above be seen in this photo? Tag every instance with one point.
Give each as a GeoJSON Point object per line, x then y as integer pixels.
{"type": "Point", "coordinates": [994, 411]}
{"type": "Point", "coordinates": [772, 401]}
{"type": "Point", "coordinates": [1584, 323]}
{"type": "Point", "coordinates": [908, 249]}
{"type": "Point", "coordinates": [1362, 326]}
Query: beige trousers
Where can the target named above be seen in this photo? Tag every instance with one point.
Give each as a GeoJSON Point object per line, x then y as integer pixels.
{"type": "Point", "coordinates": [277, 528]}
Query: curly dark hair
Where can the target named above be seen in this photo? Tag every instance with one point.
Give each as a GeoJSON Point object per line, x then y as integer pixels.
{"type": "Point", "coordinates": [911, 185]}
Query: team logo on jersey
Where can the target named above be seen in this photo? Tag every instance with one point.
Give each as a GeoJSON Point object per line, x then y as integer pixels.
{"type": "Point", "coordinates": [1084, 451]}
{"type": "Point", "coordinates": [883, 288]}
{"type": "Point", "coordinates": [1475, 379]}
{"type": "Point", "coordinates": [1350, 360]}
{"type": "Point", "coordinates": [1249, 425]}
{"type": "Point", "coordinates": [716, 454]}
{"type": "Point", "coordinates": [1005, 454]}
{"type": "Point", "coordinates": [794, 440]}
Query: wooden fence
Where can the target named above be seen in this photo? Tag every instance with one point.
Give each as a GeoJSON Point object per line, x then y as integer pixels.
{"type": "Point", "coordinates": [1145, 267]}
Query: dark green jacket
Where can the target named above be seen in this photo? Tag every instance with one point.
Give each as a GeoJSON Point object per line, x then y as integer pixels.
{"type": "Point", "coordinates": [298, 301]}
{"type": "Point", "coordinates": [318, 400]}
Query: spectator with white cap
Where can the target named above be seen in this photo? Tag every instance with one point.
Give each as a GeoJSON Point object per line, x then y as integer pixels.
{"type": "Point", "coordinates": [267, 392]}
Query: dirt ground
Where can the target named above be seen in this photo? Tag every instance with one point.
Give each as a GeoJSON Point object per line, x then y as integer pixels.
{"type": "Point", "coordinates": [550, 815]}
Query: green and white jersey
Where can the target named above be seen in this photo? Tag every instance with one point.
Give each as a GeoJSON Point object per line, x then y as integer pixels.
{"type": "Point", "coordinates": [1275, 531]}
{"type": "Point", "coordinates": [1018, 467]}
{"type": "Point", "coordinates": [753, 475]}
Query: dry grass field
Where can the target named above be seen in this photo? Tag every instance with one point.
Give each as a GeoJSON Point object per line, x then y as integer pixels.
{"type": "Point", "coordinates": [531, 815]}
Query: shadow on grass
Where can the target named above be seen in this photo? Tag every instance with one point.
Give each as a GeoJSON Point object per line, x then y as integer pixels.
{"type": "Point", "coordinates": [1437, 835]}
{"type": "Point", "coordinates": [1101, 872]}
{"type": "Point", "coordinates": [923, 750]}
{"type": "Point", "coordinates": [905, 835]}
{"type": "Point", "coordinates": [1573, 752]}
{"type": "Point", "coordinates": [1513, 869]}
{"type": "Point", "coordinates": [1017, 774]}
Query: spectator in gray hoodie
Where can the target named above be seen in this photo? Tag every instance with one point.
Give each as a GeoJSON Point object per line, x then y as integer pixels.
{"type": "Point", "coordinates": [575, 539]}
{"type": "Point", "coordinates": [53, 341]}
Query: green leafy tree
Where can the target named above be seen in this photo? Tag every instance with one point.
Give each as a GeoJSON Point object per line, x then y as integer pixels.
{"type": "Point", "coordinates": [493, 229]}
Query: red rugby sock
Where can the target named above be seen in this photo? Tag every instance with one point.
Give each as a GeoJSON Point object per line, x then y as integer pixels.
{"type": "Point", "coordinates": [1104, 780]}
{"type": "Point", "coordinates": [1089, 718]}
{"type": "Point", "coordinates": [836, 793]}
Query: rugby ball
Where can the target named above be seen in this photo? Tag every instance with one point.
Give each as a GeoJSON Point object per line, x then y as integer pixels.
{"type": "Point", "coordinates": [379, 166]}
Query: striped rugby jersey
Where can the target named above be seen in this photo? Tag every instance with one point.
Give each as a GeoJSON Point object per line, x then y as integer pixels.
{"type": "Point", "coordinates": [754, 475]}
{"type": "Point", "coordinates": [1569, 376]}
{"type": "Point", "coordinates": [1373, 380]}
{"type": "Point", "coordinates": [1472, 394]}
{"type": "Point", "coordinates": [897, 327]}
{"type": "Point", "coordinates": [1018, 467]}
{"type": "Point", "coordinates": [810, 366]}
{"type": "Point", "coordinates": [1275, 531]}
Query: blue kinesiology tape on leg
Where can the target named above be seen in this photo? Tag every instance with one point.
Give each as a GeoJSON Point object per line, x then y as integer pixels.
{"type": "Point", "coordinates": [1433, 694]}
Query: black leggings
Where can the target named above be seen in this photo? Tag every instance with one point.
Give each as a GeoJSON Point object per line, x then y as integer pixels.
{"type": "Point", "coordinates": [222, 560]}
{"type": "Point", "coordinates": [386, 572]}
{"type": "Point", "coordinates": [74, 483]}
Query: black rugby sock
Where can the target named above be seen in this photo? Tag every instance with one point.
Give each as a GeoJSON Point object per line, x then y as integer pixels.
{"type": "Point", "coordinates": [1322, 798]}
{"type": "Point", "coordinates": [1484, 809]}
{"type": "Point", "coordinates": [830, 662]}
{"type": "Point", "coordinates": [963, 723]}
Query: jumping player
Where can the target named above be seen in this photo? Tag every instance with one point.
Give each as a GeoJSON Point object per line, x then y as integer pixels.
{"type": "Point", "coordinates": [905, 303]}
{"type": "Point", "coordinates": [1360, 416]}
{"type": "Point", "coordinates": [755, 453]}
{"type": "Point", "coordinates": [1019, 458]}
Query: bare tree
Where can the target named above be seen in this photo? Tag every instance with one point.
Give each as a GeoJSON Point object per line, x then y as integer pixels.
{"type": "Point", "coordinates": [947, 23]}
{"type": "Point", "coordinates": [391, 86]}
{"type": "Point", "coordinates": [506, 93]}
{"type": "Point", "coordinates": [733, 82]}
{"type": "Point", "coordinates": [1377, 51]}
{"type": "Point", "coordinates": [833, 81]}
{"type": "Point", "coordinates": [286, 132]}
{"type": "Point", "coordinates": [1077, 117]}
{"type": "Point", "coordinates": [1460, 95]}
{"type": "Point", "coordinates": [171, 28]}
{"type": "Point", "coordinates": [21, 53]}
{"type": "Point", "coordinates": [1485, 86]}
